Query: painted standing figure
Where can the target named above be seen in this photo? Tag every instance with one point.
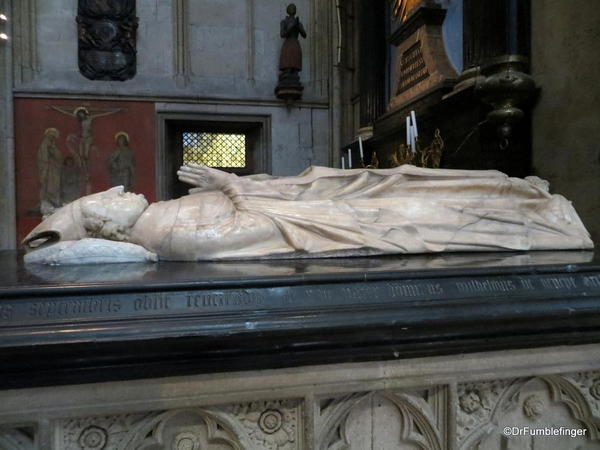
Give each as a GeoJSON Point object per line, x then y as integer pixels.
{"type": "Point", "coordinates": [121, 163]}
{"type": "Point", "coordinates": [70, 181]}
{"type": "Point", "coordinates": [50, 160]}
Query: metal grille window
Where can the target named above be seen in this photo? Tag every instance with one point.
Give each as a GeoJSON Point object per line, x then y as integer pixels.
{"type": "Point", "coordinates": [214, 149]}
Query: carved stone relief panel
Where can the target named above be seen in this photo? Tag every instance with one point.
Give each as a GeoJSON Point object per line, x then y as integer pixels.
{"type": "Point", "coordinates": [21, 438]}
{"type": "Point", "coordinates": [588, 384]}
{"type": "Point", "coordinates": [271, 425]}
{"type": "Point", "coordinates": [431, 418]}
{"type": "Point", "coordinates": [268, 425]}
{"type": "Point", "coordinates": [381, 420]}
{"type": "Point", "coordinates": [91, 433]}
{"type": "Point", "coordinates": [515, 414]}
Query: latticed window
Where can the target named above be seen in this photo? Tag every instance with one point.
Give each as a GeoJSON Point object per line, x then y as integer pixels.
{"type": "Point", "coordinates": [214, 149]}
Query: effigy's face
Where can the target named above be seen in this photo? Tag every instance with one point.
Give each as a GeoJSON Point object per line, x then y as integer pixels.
{"type": "Point", "coordinates": [122, 208]}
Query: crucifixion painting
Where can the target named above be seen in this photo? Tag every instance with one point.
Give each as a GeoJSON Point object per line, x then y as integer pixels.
{"type": "Point", "coordinates": [81, 145]}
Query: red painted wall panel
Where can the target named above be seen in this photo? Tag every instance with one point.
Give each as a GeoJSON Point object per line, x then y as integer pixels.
{"type": "Point", "coordinates": [54, 168]}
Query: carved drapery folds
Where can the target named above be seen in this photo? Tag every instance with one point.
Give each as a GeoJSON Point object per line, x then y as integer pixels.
{"type": "Point", "coordinates": [107, 31]}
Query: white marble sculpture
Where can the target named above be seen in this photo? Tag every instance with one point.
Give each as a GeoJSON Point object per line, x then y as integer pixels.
{"type": "Point", "coordinates": [326, 212]}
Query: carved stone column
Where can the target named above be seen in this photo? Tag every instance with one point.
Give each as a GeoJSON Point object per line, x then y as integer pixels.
{"type": "Point", "coordinates": [7, 159]}
{"type": "Point", "coordinates": [496, 47]}
{"type": "Point", "coordinates": [181, 42]}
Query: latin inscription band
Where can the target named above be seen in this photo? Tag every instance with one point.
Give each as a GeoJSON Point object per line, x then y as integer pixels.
{"type": "Point", "coordinates": [226, 301]}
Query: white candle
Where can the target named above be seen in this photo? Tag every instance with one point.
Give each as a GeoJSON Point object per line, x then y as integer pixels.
{"type": "Point", "coordinates": [349, 159]}
{"type": "Point", "coordinates": [413, 143]}
{"type": "Point", "coordinates": [343, 163]}
{"type": "Point", "coordinates": [408, 127]}
{"type": "Point", "coordinates": [360, 147]}
{"type": "Point", "coordinates": [414, 123]}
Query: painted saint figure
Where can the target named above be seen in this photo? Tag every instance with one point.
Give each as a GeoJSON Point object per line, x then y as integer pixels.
{"type": "Point", "coordinates": [324, 212]}
{"type": "Point", "coordinates": [121, 163]}
{"type": "Point", "coordinates": [49, 160]}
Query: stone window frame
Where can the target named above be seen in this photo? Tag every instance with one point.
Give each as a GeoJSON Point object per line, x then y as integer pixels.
{"type": "Point", "coordinates": [257, 127]}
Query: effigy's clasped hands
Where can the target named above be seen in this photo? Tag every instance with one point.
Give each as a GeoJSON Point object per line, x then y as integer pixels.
{"type": "Point", "coordinates": [203, 177]}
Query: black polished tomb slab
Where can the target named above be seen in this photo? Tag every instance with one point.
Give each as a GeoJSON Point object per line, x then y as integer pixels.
{"type": "Point", "coordinates": [76, 324]}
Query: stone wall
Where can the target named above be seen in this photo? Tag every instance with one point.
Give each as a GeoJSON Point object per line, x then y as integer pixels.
{"type": "Point", "coordinates": [213, 49]}
{"type": "Point", "coordinates": [7, 162]}
{"type": "Point", "coordinates": [211, 57]}
{"type": "Point", "coordinates": [565, 64]}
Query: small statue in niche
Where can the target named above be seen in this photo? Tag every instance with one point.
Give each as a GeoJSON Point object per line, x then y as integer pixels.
{"type": "Point", "coordinates": [121, 163]}
{"type": "Point", "coordinates": [289, 87]}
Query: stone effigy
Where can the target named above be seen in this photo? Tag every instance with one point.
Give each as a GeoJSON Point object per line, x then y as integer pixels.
{"type": "Point", "coordinates": [322, 212]}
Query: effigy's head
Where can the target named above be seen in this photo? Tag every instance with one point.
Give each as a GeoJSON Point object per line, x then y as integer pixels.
{"type": "Point", "coordinates": [291, 9]}
{"type": "Point", "coordinates": [107, 215]}
{"type": "Point", "coordinates": [111, 214]}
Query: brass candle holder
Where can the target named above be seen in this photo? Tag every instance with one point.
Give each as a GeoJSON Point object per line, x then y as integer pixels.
{"type": "Point", "coordinates": [374, 162]}
{"type": "Point", "coordinates": [430, 156]}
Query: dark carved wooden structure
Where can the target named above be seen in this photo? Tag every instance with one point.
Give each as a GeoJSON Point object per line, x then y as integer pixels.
{"type": "Point", "coordinates": [373, 56]}
{"type": "Point", "coordinates": [494, 28]}
{"type": "Point", "coordinates": [481, 120]}
{"type": "Point", "coordinates": [107, 39]}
